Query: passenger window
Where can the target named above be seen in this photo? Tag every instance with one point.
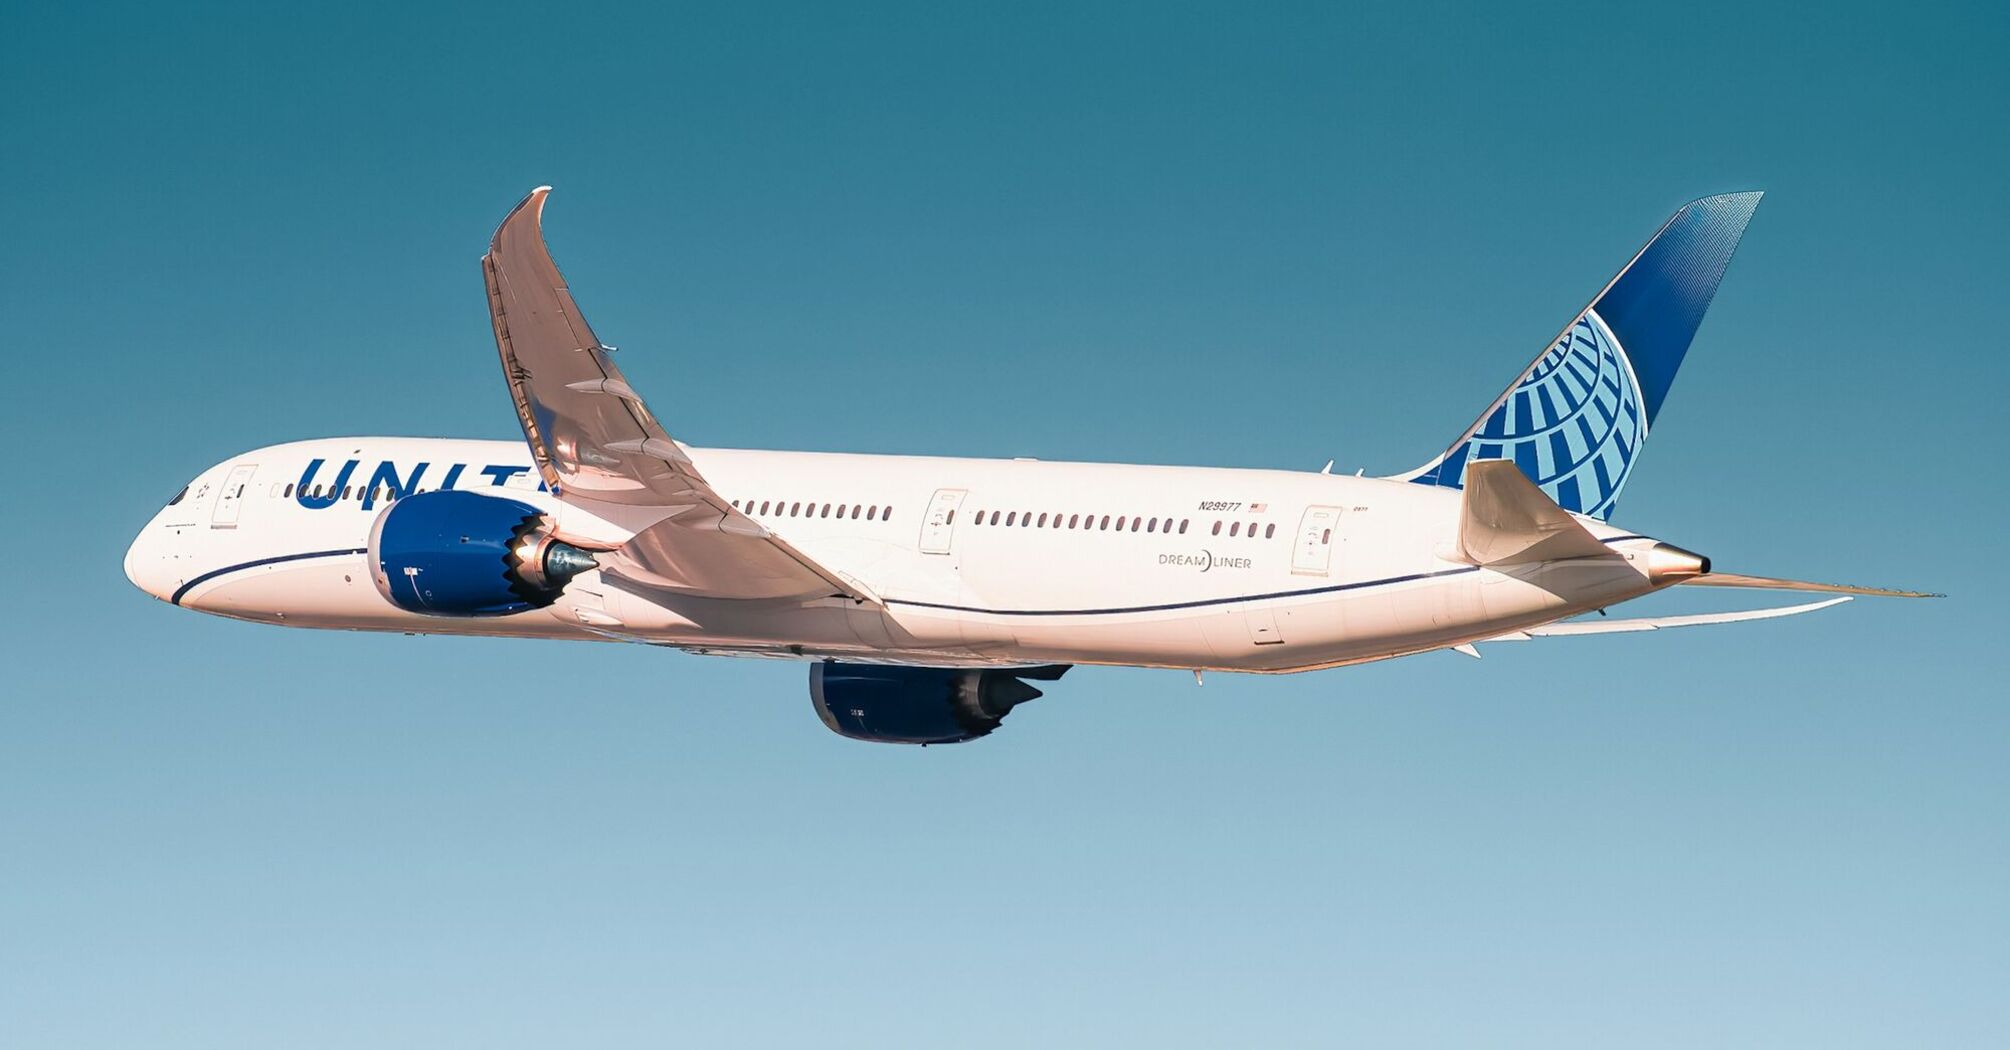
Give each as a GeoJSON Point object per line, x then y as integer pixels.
{"type": "Point", "coordinates": [1043, 520]}
{"type": "Point", "coordinates": [855, 508]}
{"type": "Point", "coordinates": [1217, 528]}
{"type": "Point", "coordinates": [1106, 524]}
{"type": "Point", "coordinates": [289, 493]}
{"type": "Point", "coordinates": [1136, 523]}
{"type": "Point", "coordinates": [1074, 520]}
{"type": "Point", "coordinates": [950, 518]}
{"type": "Point", "coordinates": [795, 509]}
{"type": "Point", "coordinates": [1120, 523]}
{"type": "Point", "coordinates": [1235, 528]}
{"type": "Point", "coordinates": [1011, 517]}
{"type": "Point", "coordinates": [886, 515]}
{"type": "Point", "coordinates": [1182, 526]}
{"type": "Point", "coordinates": [1326, 537]}
{"type": "Point", "coordinates": [1270, 530]}
{"type": "Point", "coordinates": [840, 511]}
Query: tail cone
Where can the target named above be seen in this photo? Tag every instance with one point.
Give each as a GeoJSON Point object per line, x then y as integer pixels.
{"type": "Point", "coordinates": [1667, 563]}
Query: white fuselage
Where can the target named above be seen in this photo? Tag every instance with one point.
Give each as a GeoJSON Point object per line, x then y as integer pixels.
{"type": "Point", "coordinates": [979, 561]}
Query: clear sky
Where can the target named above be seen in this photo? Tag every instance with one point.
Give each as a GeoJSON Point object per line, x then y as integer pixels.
{"type": "Point", "coordinates": [1169, 233]}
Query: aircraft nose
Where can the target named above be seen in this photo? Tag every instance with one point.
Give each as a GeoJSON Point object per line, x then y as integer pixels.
{"type": "Point", "coordinates": [147, 566]}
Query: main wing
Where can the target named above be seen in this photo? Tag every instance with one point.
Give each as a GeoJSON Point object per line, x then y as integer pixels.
{"type": "Point", "coordinates": [595, 441]}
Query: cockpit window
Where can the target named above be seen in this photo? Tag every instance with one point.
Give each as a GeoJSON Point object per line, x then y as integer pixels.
{"type": "Point", "coordinates": [179, 496]}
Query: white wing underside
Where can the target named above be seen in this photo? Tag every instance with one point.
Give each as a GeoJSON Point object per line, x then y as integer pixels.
{"type": "Point", "coordinates": [594, 441]}
{"type": "Point", "coordinates": [1656, 623]}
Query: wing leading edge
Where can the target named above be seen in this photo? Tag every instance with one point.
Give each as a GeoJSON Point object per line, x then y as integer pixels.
{"type": "Point", "coordinates": [595, 441]}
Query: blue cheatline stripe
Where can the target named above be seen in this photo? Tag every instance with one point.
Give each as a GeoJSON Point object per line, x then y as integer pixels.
{"type": "Point", "coordinates": [214, 573]}
{"type": "Point", "coordinates": [1188, 605]}
{"type": "Point", "coordinates": [1330, 589]}
{"type": "Point", "coordinates": [1388, 581]}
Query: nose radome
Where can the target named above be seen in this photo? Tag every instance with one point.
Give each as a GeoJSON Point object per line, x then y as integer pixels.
{"type": "Point", "coordinates": [146, 567]}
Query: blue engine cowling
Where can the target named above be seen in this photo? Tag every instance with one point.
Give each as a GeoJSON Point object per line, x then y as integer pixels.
{"type": "Point", "coordinates": [454, 553]}
{"type": "Point", "coordinates": [919, 705]}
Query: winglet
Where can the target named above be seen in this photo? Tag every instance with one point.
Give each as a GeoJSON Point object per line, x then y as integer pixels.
{"type": "Point", "coordinates": [532, 208]}
{"type": "Point", "coordinates": [1506, 520]}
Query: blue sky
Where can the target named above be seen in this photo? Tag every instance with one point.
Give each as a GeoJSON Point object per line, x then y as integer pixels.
{"type": "Point", "coordinates": [1159, 232]}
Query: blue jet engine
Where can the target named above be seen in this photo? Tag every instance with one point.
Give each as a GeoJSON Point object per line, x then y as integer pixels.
{"type": "Point", "coordinates": [887, 704]}
{"type": "Point", "coordinates": [454, 553]}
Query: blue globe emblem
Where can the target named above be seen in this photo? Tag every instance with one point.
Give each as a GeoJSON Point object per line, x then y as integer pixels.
{"type": "Point", "coordinates": [1574, 423]}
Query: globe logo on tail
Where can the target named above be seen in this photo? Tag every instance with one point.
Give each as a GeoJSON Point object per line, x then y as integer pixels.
{"type": "Point", "coordinates": [1573, 424]}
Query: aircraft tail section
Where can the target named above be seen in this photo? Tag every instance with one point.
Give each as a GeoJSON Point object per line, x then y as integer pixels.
{"type": "Point", "coordinates": [1575, 419]}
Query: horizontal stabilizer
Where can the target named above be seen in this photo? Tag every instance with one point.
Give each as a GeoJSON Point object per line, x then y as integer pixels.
{"type": "Point", "coordinates": [1767, 583]}
{"type": "Point", "coordinates": [1507, 520]}
{"type": "Point", "coordinates": [1656, 623]}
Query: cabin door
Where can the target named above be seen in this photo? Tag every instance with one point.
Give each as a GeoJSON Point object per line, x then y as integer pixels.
{"type": "Point", "coordinates": [230, 501]}
{"type": "Point", "coordinates": [938, 526]}
{"type": "Point", "coordinates": [1313, 554]}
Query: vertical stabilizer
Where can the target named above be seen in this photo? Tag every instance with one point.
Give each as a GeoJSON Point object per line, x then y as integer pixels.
{"type": "Point", "coordinates": [1575, 419]}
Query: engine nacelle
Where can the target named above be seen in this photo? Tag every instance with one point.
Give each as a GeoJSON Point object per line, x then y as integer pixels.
{"type": "Point", "coordinates": [454, 553]}
{"type": "Point", "coordinates": [919, 705]}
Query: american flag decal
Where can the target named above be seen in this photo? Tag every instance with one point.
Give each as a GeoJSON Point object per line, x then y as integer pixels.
{"type": "Point", "coordinates": [1258, 508]}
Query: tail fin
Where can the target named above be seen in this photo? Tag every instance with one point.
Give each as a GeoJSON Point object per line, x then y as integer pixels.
{"type": "Point", "coordinates": [1574, 420]}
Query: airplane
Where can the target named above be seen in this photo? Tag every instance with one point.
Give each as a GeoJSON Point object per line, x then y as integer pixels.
{"type": "Point", "coordinates": [927, 593]}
